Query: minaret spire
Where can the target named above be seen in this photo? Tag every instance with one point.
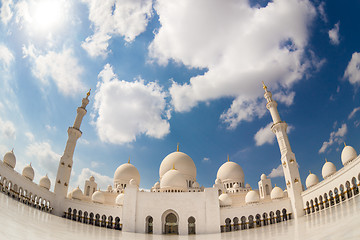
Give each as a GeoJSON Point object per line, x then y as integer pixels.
{"type": "Point", "coordinates": [288, 160]}
{"type": "Point", "coordinates": [66, 161]}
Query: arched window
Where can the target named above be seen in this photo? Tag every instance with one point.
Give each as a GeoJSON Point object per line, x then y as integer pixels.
{"type": "Point", "coordinates": [91, 218]}
{"type": "Point", "coordinates": [331, 198]}
{"type": "Point", "coordinates": [171, 223]}
{"type": "Point", "coordinates": [321, 202]}
{"type": "Point", "coordinates": [337, 198]}
{"type": "Point", "coordinates": [326, 200]}
{"type": "Point", "coordinates": [284, 213]}
{"type": "Point", "coordinates": [110, 222]}
{"type": "Point", "coordinates": [103, 221]}
{"type": "Point", "coordinates": [86, 220]}
{"type": "Point", "coordinates": [312, 205]}
{"type": "Point", "coordinates": [87, 190]}
{"type": "Point", "coordinates": [251, 221]}
{"type": "Point", "coordinates": [354, 186]}
{"type": "Point", "coordinates": [69, 213]}
{"type": "Point", "coordinates": [74, 215]}
{"type": "Point", "coordinates": [278, 216]}
{"type": "Point", "coordinates": [316, 205]}
{"type": "Point", "coordinates": [97, 220]}
{"type": "Point", "coordinates": [191, 225]}
{"type": "Point", "coordinates": [342, 192]}
{"type": "Point", "coordinates": [272, 219]}
{"type": "Point", "coordinates": [149, 224]}
{"type": "Point", "coordinates": [117, 223]}
{"type": "Point", "coordinates": [243, 223]}
{"type": "Point", "coordinates": [236, 224]}
{"type": "Point", "coordinates": [258, 220]}
{"type": "Point", "coordinates": [307, 207]}
{"type": "Point", "coordinates": [348, 189]}
{"type": "Point", "coordinates": [265, 218]}
{"type": "Point", "coordinates": [267, 189]}
{"type": "Point", "coordinates": [79, 216]}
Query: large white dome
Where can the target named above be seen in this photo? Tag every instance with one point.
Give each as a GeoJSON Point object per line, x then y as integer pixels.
{"type": "Point", "coordinates": [173, 179]}
{"type": "Point", "coordinates": [348, 154]}
{"type": "Point", "coordinates": [328, 169]}
{"type": "Point", "coordinates": [45, 182]}
{"type": "Point", "coordinates": [98, 197]}
{"type": "Point", "coordinates": [276, 193]}
{"type": "Point", "coordinates": [184, 164]}
{"type": "Point", "coordinates": [120, 199]}
{"type": "Point", "coordinates": [311, 180]}
{"type": "Point", "coordinates": [225, 200]}
{"type": "Point", "coordinates": [77, 194]}
{"type": "Point", "coordinates": [28, 172]}
{"type": "Point", "coordinates": [10, 159]}
{"type": "Point", "coordinates": [231, 171]}
{"type": "Point", "coordinates": [126, 172]}
{"type": "Point", "coordinates": [252, 197]}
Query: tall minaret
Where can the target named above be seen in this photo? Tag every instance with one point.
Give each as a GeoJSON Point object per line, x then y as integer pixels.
{"type": "Point", "coordinates": [66, 161]}
{"type": "Point", "coordinates": [288, 160]}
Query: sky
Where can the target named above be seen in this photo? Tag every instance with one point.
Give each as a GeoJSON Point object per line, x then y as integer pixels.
{"type": "Point", "coordinates": [168, 72]}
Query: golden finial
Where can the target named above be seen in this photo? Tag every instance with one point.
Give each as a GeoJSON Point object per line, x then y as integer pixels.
{"type": "Point", "coordinates": [275, 184]}
{"type": "Point", "coordinates": [177, 149]}
{"type": "Point", "coordinates": [173, 166]}
{"type": "Point", "coordinates": [264, 86]}
{"type": "Point", "coordinates": [228, 158]}
{"type": "Point", "coordinates": [309, 171]}
{"type": "Point", "coordinates": [129, 160]}
{"type": "Point", "coordinates": [88, 93]}
{"type": "Point", "coordinates": [12, 150]}
{"type": "Point", "coordinates": [325, 160]}
{"type": "Point", "coordinates": [345, 144]}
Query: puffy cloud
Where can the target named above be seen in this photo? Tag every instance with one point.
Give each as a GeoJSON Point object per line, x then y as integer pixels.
{"type": "Point", "coordinates": [286, 98]}
{"type": "Point", "coordinates": [334, 34]}
{"type": "Point", "coordinates": [63, 68]}
{"type": "Point", "coordinates": [353, 112]}
{"type": "Point", "coordinates": [5, 11]}
{"type": "Point", "coordinates": [352, 71]}
{"type": "Point", "coordinates": [6, 57]}
{"type": "Point", "coordinates": [264, 135]}
{"type": "Point", "coordinates": [7, 129]}
{"type": "Point", "coordinates": [238, 46]}
{"type": "Point", "coordinates": [126, 18]}
{"type": "Point", "coordinates": [45, 158]}
{"type": "Point", "coordinates": [101, 180]}
{"type": "Point", "coordinates": [276, 172]}
{"type": "Point", "coordinates": [321, 9]}
{"type": "Point", "coordinates": [125, 110]}
{"type": "Point", "coordinates": [335, 137]}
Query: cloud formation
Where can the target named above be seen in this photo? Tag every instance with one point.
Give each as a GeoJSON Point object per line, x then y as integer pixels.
{"type": "Point", "coordinates": [6, 56]}
{"type": "Point", "coordinates": [7, 129]}
{"type": "Point", "coordinates": [335, 137]}
{"type": "Point", "coordinates": [60, 67]}
{"type": "Point", "coordinates": [353, 112]}
{"type": "Point", "coordinates": [125, 18]}
{"type": "Point", "coordinates": [276, 172]}
{"type": "Point", "coordinates": [334, 34]}
{"type": "Point", "coordinates": [125, 110]}
{"type": "Point", "coordinates": [5, 11]}
{"type": "Point", "coordinates": [236, 59]}
{"type": "Point", "coordinates": [265, 135]}
{"type": "Point", "coordinates": [352, 71]}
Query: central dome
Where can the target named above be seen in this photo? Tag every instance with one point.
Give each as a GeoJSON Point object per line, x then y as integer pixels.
{"type": "Point", "coordinates": [231, 171]}
{"type": "Point", "coordinates": [183, 163]}
{"type": "Point", "coordinates": [173, 179]}
{"type": "Point", "coordinates": [126, 172]}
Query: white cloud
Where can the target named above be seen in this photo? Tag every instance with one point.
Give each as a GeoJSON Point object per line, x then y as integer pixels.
{"type": "Point", "coordinates": [5, 11]}
{"type": "Point", "coordinates": [334, 34]}
{"type": "Point", "coordinates": [264, 135]}
{"type": "Point", "coordinates": [101, 180]}
{"type": "Point", "coordinates": [206, 159]}
{"type": "Point", "coordinates": [321, 9]}
{"type": "Point", "coordinates": [126, 18]}
{"type": "Point", "coordinates": [353, 112]}
{"type": "Point", "coordinates": [238, 46]}
{"type": "Point", "coordinates": [352, 71]}
{"type": "Point", "coordinates": [42, 154]}
{"type": "Point", "coordinates": [63, 68]}
{"type": "Point", "coordinates": [3, 150]}
{"type": "Point", "coordinates": [286, 98]}
{"type": "Point", "coordinates": [125, 110]}
{"type": "Point", "coordinates": [83, 141]}
{"type": "Point", "coordinates": [94, 164]}
{"type": "Point", "coordinates": [276, 172]}
{"type": "Point", "coordinates": [50, 128]}
{"type": "Point", "coordinates": [7, 129]}
{"type": "Point", "coordinates": [335, 137]}
{"type": "Point", "coordinates": [30, 136]}
{"type": "Point", "coordinates": [6, 57]}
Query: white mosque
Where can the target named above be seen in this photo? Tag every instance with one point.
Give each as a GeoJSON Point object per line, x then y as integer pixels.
{"type": "Point", "coordinates": [177, 204]}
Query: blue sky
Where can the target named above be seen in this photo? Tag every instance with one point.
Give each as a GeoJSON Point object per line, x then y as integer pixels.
{"type": "Point", "coordinates": [168, 72]}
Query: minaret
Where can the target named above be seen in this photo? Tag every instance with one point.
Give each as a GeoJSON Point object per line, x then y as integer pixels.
{"type": "Point", "coordinates": [66, 161]}
{"type": "Point", "coordinates": [288, 160]}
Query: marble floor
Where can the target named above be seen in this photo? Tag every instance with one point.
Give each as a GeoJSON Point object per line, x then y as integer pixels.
{"type": "Point", "coordinates": [19, 221]}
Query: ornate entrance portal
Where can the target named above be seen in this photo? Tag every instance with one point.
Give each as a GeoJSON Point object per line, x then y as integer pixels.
{"type": "Point", "coordinates": [171, 224]}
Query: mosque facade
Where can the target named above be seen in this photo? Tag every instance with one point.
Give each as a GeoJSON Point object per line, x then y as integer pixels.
{"type": "Point", "coordinates": [176, 204]}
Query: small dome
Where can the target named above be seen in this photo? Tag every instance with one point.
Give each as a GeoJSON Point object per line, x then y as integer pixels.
{"type": "Point", "coordinates": [120, 199]}
{"type": "Point", "coordinates": [311, 180]}
{"type": "Point", "coordinates": [77, 194]}
{"type": "Point", "coordinates": [225, 200]}
{"type": "Point", "coordinates": [133, 182]}
{"type": "Point", "coordinates": [263, 176]}
{"type": "Point", "coordinates": [126, 172]}
{"type": "Point", "coordinates": [184, 164]}
{"type": "Point", "coordinates": [69, 195]}
{"type": "Point", "coordinates": [173, 179]}
{"type": "Point", "coordinates": [28, 172]}
{"type": "Point", "coordinates": [236, 185]}
{"type": "Point", "coordinates": [157, 185]}
{"type": "Point", "coordinates": [231, 171]}
{"type": "Point", "coordinates": [218, 181]}
{"type": "Point", "coordinates": [276, 193]}
{"type": "Point", "coordinates": [109, 188]}
{"type": "Point", "coordinates": [328, 169]}
{"type": "Point", "coordinates": [98, 197]}
{"type": "Point", "coordinates": [252, 197]}
{"type": "Point", "coordinates": [196, 185]}
{"type": "Point", "coordinates": [347, 155]}
{"type": "Point", "coordinates": [45, 182]}
{"type": "Point", "coordinates": [92, 179]}
{"type": "Point", "coordinates": [247, 185]}
{"type": "Point", "coordinates": [10, 159]}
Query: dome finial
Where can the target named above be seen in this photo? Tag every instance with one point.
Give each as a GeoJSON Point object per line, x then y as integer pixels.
{"type": "Point", "coordinates": [88, 93]}
{"type": "Point", "coordinates": [275, 184]}
{"type": "Point", "coordinates": [12, 150]}
{"type": "Point", "coordinates": [129, 160]}
{"type": "Point", "coordinates": [177, 149]}
{"type": "Point", "coordinates": [173, 166]}
{"type": "Point", "coordinates": [264, 86]}
{"type": "Point", "coordinates": [325, 160]}
{"type": "Point", "coordinates": [228, 158]}
{"type": "Point", "coordinates": [309, 171]}
{"type": "Point", "coordinates": [345, 144]}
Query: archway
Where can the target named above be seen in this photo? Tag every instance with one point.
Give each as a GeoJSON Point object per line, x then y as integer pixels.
{"type": "Point", "coordinates": [191, 225]}
{"type": "Point", "coordinates": [243, 222]}
{"type": "Point", "coordinates": [149, 224]}
{"type": "Point", "coordinates": [170, 222]}
{"type": "Point", "coordinates": [236, 223]}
